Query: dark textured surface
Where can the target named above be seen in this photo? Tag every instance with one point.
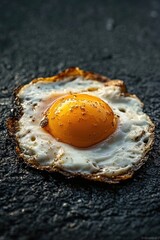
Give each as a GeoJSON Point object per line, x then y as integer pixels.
{"type": "Point", "coordinates": [120, 39]}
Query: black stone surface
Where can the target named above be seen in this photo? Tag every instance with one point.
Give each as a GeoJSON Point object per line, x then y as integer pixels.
{"type": "Point", "coordinates": [120, 39]}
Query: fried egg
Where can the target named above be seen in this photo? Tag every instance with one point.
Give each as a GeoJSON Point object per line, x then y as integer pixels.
{"type": "Point", "coordinates": [82, 124]}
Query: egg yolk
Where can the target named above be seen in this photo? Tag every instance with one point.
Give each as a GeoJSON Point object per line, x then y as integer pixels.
{"type": "Point", "coordinates": [80, 120]}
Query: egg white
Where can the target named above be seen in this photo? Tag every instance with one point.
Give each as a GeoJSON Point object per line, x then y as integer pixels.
{"type": "Point", "coordinates": [113, 156]}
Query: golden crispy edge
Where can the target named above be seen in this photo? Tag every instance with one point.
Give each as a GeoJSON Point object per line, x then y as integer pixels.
{"type": "Point", "coordinates": [71, 73]}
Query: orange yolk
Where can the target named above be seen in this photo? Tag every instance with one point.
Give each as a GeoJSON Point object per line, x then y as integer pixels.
{"type": "Point", "coordinates": [80, 120]}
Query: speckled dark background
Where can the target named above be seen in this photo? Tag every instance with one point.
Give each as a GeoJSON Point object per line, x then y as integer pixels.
{"type": "Point", "coordinates": [120, 39]}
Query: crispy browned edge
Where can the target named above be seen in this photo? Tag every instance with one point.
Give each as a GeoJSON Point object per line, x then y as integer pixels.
{"type": "Point", "coordinates": [71, 73]}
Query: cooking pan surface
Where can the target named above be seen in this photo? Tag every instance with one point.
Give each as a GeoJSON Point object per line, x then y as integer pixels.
{"type": "Point", "coordinates": [119, 39]}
